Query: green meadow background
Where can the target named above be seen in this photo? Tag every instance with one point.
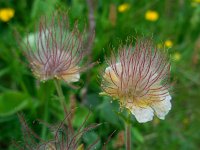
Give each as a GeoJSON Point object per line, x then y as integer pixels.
{"type": "Point", "coordinates": [173, 24]}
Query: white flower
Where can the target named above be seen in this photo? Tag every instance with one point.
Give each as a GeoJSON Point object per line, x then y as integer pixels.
{"type": "Point", "coordinates": [139, 80]}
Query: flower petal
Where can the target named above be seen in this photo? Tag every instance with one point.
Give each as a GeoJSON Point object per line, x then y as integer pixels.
{"type": "Point", "coordinates": [71, 75]}
{"type": "Point", "coordinates": [71, 78]}
{"type": "Point", "coordinates": [163, 107]}
{"type": "Point", "coordinates": [142, 114]}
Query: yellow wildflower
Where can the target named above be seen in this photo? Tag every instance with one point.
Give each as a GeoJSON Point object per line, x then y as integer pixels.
{"type": "Point", "coordinates": [6, 14]}
{"type": "Point", "coordinates": [196, 1]}
{"type": "Point", "coordinates": [151, 15]}
{"type": "Point", "coordinates": [168, 43]}
{"type": "Point", "coordinates": [123, 7]}
{"type": "Point", "coordinates": [177, 56]}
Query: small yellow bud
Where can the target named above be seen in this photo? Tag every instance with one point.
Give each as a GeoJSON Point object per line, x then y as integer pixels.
{"type": "Point", "coordinates": [177, 56]}
{"type": "Point", "coordinates": [151, 15]}
{"type": "Point", "coordinates": [196, 1]}
{"type": "Point", "coordinates": [168, 43]}
{"type": "Point", "coordinates": [6, 14]}
{"type": "Point", "coordinates": [123, 7]}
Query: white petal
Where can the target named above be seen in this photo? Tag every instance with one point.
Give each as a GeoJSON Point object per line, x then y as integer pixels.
{"type": "Point", "coordinates": [142, 114]}
{"type": "Point", "coordinates": [163, 107]}
{"type": "Point", "coordinates": [71, 75]}
{"type": "Point", "coordinates": [71, 78]}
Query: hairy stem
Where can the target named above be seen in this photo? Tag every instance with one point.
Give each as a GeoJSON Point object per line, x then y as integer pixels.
{"type": "Point", "coordinates": [128, 135]}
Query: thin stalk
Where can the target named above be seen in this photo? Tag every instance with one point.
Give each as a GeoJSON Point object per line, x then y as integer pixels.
{"type": "Point", "coordinates": [62, 102]}
{"type": "Point", "coordinates": [128, 136]}
{"type": "Point", "coordinates": [61, 96]}
{"type": "Point", "coordinates": [23, 86]}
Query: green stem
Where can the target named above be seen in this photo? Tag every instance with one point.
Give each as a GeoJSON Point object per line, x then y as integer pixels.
{"type": "Point", "coordinates": [23, 87]}
{"type": "Point", "coordinates": [62, 102]}
{"type": "Point", "coordinates": [44, 128]}
{"type": "Point", "coordinates": [61, 95]}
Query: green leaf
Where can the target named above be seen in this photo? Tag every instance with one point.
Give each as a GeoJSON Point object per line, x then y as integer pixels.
{"type": "Point", "coordinates": [90, 137]}
{"type": "Point", "coordinates": [80, 116]}
{"type": "Point", "coordinates": [12, 102]}
{"type": "Point", "coordinates": [4, 71]}
{"type": "Point", "coordinates": [137, 135]}
{"type": "Point", "coordinates": [77, 8]}
{"type": "Point", "coordinates": [107, 111]}
{"type": "Point", "coordinates": [41, 7]}
{"type": "Point", "coordinates": [92, 100]}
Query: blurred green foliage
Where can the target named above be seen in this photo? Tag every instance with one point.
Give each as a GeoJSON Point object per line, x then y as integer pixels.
{"type": "Point", "coordinates": [178, 22]}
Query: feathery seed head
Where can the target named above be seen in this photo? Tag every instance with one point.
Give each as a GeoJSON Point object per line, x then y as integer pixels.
{"type": "Point", "coordinates": [139, 80]}
{"type": "Point", "coordinates": [55, 51]}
